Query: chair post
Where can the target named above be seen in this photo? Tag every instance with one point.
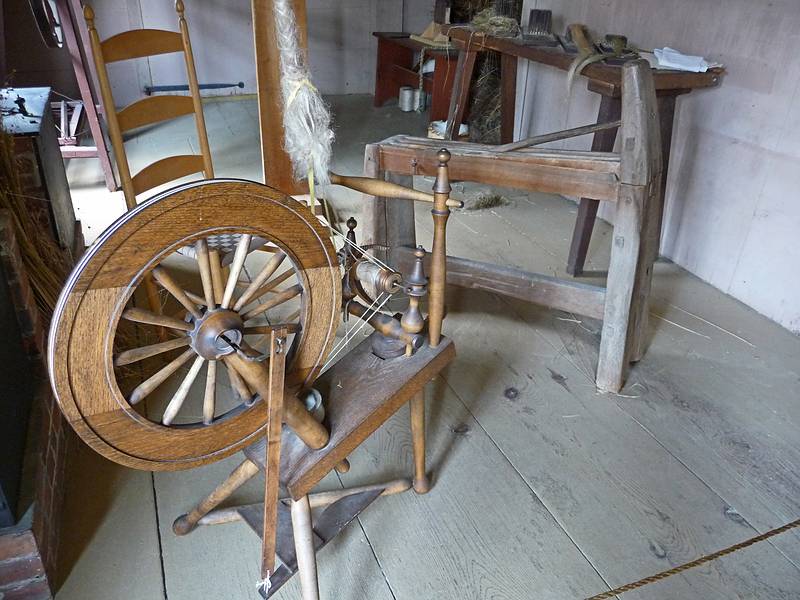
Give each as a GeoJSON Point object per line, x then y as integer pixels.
{"type": "Point", "coordinates": [107, 96]}
{"type": "Point", "coordinates": [194, 88]}
{"type": "Point", "coordinates": [631, 267]}
{"type": "Point", "coordinates": [304, 548]}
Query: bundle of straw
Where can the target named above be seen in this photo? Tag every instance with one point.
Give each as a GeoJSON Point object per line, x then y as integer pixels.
{"type": "Point", "coordinates": [45, 263]}
{"type": "Point", "coordinates": [489, 21]}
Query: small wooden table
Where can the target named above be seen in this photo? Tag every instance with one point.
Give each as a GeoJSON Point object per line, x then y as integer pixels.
{"type": "Point", "coordinates": [395, 68]}
{"type": "Point", "coordinates": [603, 79]}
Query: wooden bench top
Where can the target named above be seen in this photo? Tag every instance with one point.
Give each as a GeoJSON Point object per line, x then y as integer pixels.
{"type": "Point", "coordinates": [609, 76]}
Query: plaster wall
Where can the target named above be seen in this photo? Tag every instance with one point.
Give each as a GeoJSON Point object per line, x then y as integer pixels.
{"type": "Point", "coordinates": [732, 207]}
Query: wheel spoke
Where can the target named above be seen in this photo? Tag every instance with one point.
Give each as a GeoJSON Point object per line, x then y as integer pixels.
{"type": "Point", "coordinates": [267, 272]}
{"type": "Point", "coordinates": [204, 264]}
{"type": "Point", "coordinates": [145, 388]}
{"type": "Point", "coordinates": [217, 280]}
{"type": "Point", "coordinates": [236, 268]}
{"type": "Point", "coordinates": [293, 317]}
{"type": "Point", "coordinates": [239, 384]}
{"type": "Point", "coordinates": [174, 406]}
{"type": "Point", "coordinates": [139, 315]}
{"type": "Point", "coordinates": [169, 284]}
{"type": "Point", "coordinates": [210, 396]}
{"type": "Point", "coordinates": [199, 300]}
{"type": "Point", "coordinates": [282, 297]}
{"type": "Point", "coordinates": [270, 287]}
{"type": "Point", "coordinates": [136, 354]}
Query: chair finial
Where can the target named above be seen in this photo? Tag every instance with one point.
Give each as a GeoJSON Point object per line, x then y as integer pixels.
{"type": "Point", "coordinates": [179, 7]}
{"type": "Point", "coordinates": [88, 14]}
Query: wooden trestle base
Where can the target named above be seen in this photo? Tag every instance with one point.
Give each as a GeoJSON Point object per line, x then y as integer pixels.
{"type": "Point", "coordinates": [360, 393]}
{"type": "Point", "coordinates": [631, 179]}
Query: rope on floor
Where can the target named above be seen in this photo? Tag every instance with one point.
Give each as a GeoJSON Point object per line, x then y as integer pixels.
{"type": "Point", "coordinates": [695, 563]}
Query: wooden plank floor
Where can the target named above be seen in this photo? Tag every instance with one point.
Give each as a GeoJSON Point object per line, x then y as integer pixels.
{"type": "Point", "coordinates": [543, 487]}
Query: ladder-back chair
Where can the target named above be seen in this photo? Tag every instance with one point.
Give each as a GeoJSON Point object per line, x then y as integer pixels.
{"type": "Point", "coordinates": [142, 43]}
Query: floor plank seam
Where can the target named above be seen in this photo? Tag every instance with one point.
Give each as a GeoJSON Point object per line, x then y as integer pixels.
{"type": "Point", "coordinates": [745, 520]}
{"type": "Point", "coordinates": [371, 547]}
{"type": "Point", "coordinates": [659, 442]}
{"type": "Point", "coordinates": [527, 484]}
{"type": "Point", "coordinates": [158, 536]}
{"type": "Point", "coordinates": [559, 351]}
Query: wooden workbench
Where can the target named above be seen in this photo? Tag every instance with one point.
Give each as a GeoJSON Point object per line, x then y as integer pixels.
{"type": "Point", "coordinates": [603, 79]}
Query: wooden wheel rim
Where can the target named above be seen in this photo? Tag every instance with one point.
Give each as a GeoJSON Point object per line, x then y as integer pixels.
{"type": "Point", "coordinates": [80, 352]}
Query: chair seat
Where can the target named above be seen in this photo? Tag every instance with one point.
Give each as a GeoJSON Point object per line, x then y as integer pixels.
{"type": "Point", "coordinates": [360, 393]}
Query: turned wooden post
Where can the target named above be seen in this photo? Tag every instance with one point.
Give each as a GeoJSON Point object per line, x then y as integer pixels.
{"type": "Point", "coordinates": [440, 212]}
{"type": "Point", "coordinates": [114, 131]}
{"type": "Point", "coordinates": [194, 88]}
{"type": "Point", "coordinates": [421, 483]}
{"type": "Point", "coordinates": [304, 548]}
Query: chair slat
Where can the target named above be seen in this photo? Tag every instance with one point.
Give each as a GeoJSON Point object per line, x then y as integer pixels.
{"type": "Point", "coordinates": [166, 169]}
{"type": "Point", "coordinates": [154, 109]}
{"type": "Point", "coordinates": [139, 43]}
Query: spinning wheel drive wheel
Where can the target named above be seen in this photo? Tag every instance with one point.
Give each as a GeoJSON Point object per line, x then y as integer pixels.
{"type": "Point", "coordinates": [232, 259]}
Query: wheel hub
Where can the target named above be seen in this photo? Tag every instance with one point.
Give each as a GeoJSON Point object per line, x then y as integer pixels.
{"type": "Point", "coordinates": [217, 334]}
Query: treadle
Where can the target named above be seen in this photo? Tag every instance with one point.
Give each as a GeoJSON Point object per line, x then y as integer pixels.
{"type": "Point", "coordinates": [327, 526]}
{"type": "Point", "coordinates": [361, 391]}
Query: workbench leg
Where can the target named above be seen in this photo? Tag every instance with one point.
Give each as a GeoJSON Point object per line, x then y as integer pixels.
{"type": "Point", "coordinates": [389, 54]}
{"type": "Point", "coordinates": [421, 483]}
{"type": "Point", "coordinates": [623, 271]}
{"type": "Point", "coordinates": [304, 548]}
{"type": "Point", "coordinates": [653, 225]}
{"type": "Point", "coordinates": [387, 224]}
{"type": "Point", "coordinates": [443, 77]}
{"type": "Point", "coordinates": [459, 99]}
{"type": "Point", "coordinates": [610, 110]}
{"type": "Point", "coordinates": [508, 99]}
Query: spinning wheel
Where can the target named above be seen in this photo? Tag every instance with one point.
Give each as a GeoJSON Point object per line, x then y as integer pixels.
{"type": "Point", "coordinates": [125, 392]}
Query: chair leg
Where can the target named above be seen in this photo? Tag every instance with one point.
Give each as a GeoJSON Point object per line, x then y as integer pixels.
{"type": "Point", "coordinates": [421, 483]}
{"type": "Point", "coordinates": [238, 477]}
{"type": "Point", "coordinates": [304, 548]}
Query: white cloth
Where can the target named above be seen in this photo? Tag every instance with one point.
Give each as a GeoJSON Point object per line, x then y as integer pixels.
{"type": "Point", "coordinates": [669, 58]}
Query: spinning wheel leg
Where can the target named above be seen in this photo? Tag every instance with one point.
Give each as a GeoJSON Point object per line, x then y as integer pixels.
{"type": "Point", "coordinates": [304, 547]}
{"type": "Point", "coordinates": [421, 483]}
{"type": "Point", "coordinates": [239, 476]}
